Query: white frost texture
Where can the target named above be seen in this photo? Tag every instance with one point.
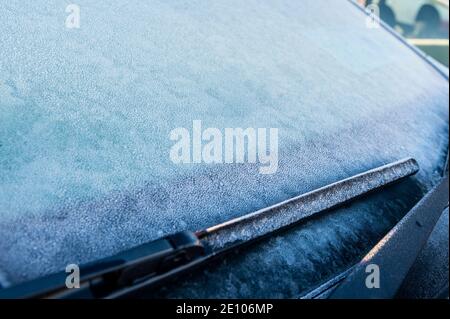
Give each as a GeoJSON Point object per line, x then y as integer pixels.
{"type": "Point", "coordinates": [85, 117]}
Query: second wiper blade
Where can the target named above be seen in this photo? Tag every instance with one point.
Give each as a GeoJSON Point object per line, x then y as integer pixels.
{"type": "Point", "coordinates": [151, 263]}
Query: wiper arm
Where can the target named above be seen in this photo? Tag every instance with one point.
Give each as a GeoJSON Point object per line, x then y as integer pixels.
{"type": "Point", "coordinates": [102, 278]}
{"type": "Point", "coordinates": [153, 262]}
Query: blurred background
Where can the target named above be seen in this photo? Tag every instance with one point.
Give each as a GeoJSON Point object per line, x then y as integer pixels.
{"type": "Point", "coordinates": [423, 22]}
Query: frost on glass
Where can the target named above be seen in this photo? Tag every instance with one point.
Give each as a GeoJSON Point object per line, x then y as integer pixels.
{"type": "Point", "coordinates": [85, 117]}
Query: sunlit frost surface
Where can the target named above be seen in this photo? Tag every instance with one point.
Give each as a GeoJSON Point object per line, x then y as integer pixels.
{"type": "Point", "coordinates": [85, 116]}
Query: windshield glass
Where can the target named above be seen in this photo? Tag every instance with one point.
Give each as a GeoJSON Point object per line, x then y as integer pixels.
{"type": "Point", "coordinates": [86, 116]}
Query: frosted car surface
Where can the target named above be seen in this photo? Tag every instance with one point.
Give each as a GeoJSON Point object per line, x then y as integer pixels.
{"type": "Point", "coordinates": [85, 117]}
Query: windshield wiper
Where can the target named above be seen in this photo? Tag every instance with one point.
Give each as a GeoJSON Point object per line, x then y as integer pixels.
{"type": "Point", "coordinates": [146, 265]}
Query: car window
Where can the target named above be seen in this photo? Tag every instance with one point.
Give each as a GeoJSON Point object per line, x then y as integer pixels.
{"type": "Point", "coordinates": [423, 22]}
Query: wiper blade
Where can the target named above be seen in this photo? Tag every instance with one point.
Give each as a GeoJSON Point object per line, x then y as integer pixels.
{"type": "Point", "coordinates": [152, 263]}
{"type": "Point", "coordinates": [299, 208]}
